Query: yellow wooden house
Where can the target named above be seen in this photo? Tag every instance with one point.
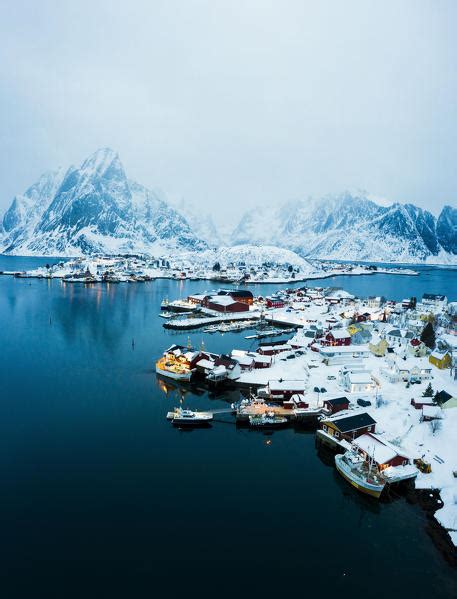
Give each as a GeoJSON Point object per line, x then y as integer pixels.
{"type": "Point", "coordinates": [440, 359]}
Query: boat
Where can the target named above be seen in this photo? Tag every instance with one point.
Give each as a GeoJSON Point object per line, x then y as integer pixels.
{"type": "Point", "coordinates": [267, 420]}
{"type": "Point", "coordinates": [188, 417]}
{"type": "Point", "coordinates": [353, 467]}
{"type": "Point", "coordinates": [165, 314]}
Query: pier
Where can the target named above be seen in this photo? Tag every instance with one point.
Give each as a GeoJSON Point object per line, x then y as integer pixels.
{"type": "Point", "coordinates": [196, 323]}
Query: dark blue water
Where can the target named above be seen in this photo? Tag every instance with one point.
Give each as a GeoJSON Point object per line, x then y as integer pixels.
{"type": "Point", "coordinates": [101, 497]}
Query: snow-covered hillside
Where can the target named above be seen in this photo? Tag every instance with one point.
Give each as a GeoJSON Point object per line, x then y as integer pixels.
{"type": "Point", "coordinates": [250, 255]}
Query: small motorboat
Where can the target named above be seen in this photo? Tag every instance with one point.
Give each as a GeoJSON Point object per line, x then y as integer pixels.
{"type": "Point", "coordinates": [182, 417]}
{"type": "Point", "coordinates": [267, 420]}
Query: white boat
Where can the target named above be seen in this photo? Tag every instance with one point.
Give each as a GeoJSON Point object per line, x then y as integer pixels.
{"type": "Point", "coordinates": [188, 417]}
{"type": "Point", "coordinates": [165, 314]}
{"type": "Point", "coordinates": [355, 470]}
{"type": "Point", "coordinates": [267, 420]}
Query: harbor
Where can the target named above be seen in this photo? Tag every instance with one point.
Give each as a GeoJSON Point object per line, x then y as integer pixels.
{"type": "Point", "coordinates": [124, 451]}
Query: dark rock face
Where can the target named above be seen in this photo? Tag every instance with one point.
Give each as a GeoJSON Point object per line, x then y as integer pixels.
{"type": "Point", "coordinates": [446, 229]}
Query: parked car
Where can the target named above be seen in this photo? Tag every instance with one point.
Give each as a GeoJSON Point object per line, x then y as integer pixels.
{"type": "Point", "coordinates": [363, 402]}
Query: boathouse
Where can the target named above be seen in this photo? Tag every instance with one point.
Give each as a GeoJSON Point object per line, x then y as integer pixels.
{"type": "Point", "coordinates": [240, 295]}
{"type": "Point", "coordinates": [224, 303]}
{"type": "Point", "coordinates": [348, 427]}
{"type": "Point", "coordinates": [384, 453]}
{"type": "Point", "coordinates": [336, 404]}
{"type": "Point", "coordinates": [283, 390]}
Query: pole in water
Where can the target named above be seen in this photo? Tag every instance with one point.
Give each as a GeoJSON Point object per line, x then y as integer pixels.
{"type": "Point", "coordinates": [50, 319]}
{"type": "Point", "coordinates": [133, 343]}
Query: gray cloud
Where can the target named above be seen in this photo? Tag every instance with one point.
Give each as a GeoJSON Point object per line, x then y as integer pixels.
{"type": "Point", "coordinates": [231, 104]}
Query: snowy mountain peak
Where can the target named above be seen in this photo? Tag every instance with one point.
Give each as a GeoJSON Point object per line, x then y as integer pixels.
{"type": "Point", "coordinates": [93, 208]}
{"type": "Point", "coordinates": [100, 161]}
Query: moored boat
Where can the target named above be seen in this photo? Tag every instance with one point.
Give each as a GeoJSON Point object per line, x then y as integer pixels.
{"type": "Point", "coordinates": [188, 417]}
{"type": "Point", "coordinates": [355, 470]}
{"type": "Point", "coordinates": [267, 420]}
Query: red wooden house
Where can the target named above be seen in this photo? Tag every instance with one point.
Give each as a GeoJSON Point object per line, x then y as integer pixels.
{"type": "Point", "coordinates": [337, 337]}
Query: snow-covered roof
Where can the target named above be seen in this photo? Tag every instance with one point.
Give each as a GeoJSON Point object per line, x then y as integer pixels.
{"type": "Point", "coordinates": [287, 385]}
{"type": "Point", "coordinates": [339, 334]}
{"type": "Point", "coordinates": [204, 363]}
{"type": "Point", "coordinates": [344, 349]}
{"type": "Point", "coordinates": [375, 448]}
{"type": "Point", "coordinates": [222, 300]}
{"type": "Point", "coordinates": [432, 411]}
{"type": "Point", "coordinates": [360, 378]}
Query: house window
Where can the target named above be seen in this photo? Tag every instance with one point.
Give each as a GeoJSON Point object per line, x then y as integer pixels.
{"type": "Point", "coordinates": [337, 434]}
{"type": "Point", "coordinates": [369, 429]}
{"type": "Point", "coordinates": [324, 427]}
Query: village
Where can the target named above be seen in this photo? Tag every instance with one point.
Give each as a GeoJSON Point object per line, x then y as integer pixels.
{"type": "Point", "coordinates": [376, 379]}
{"type": "Point", "coordinates": [142, 268]}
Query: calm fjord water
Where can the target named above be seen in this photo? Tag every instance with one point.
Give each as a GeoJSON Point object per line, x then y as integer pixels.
{"type": "Point", "coordinates": [101, 497]}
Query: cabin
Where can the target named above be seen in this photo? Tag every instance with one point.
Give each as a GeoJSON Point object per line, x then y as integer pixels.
{"type": "Point", "coordinates": [275, 302]}
{"type": "Point", "coordinates": [261, 361]}
{"type": "Point", "coordinates": [430, 413]}
{"type": "Point", "coordinates": [283, 390]}
{"type": "Point", "coordinates": [244, 359]}
{"type": "Point", "coordinates": [299, 401]}
{"type": "Point", "coordinates": [384, 453]}
{"type": "Point", "coordinates": [224, 303]}
{"type": "Point", "coordinates": [348, 427]}
{"type": "Point", "coordinates": [336, 338]}
{"type": "Point", "coordinates": [232, 366]}
{"type": "Point", "coordinates": [440, 359]}
{"type": "Point", "coordinates": [336, 404]}
{"type": "Point", "coordinates": [422, 401]}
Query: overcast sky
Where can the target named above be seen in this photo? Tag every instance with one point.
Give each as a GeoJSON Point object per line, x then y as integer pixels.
{"type": "Point", "coordinates": [236, 103]}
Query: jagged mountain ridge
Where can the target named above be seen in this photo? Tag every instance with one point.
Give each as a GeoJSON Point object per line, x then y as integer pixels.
{"type": "Point", "coordinates": [93, 208]}
{"type": "Point", "coordinates": [353, 227]}
{"type": "Point", "coordinates": [96, 208]}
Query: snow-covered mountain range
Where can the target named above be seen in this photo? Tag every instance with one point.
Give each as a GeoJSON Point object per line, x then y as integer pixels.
{"type": "Point", "coordinates": [353, 227]}
{"type": "Point", "coordinates": [93, 208]}
{"type": "Point", "coordinates": [97, 208]}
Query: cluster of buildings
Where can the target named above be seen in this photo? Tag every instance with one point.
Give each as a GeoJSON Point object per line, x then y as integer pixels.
{"type": "Point", "coordinates": [365, 369]}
